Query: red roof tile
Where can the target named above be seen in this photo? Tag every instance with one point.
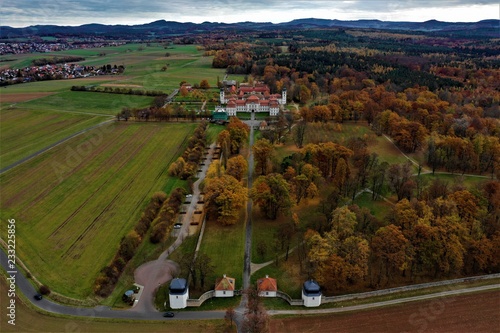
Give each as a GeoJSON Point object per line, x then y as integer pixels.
{"type": "Point", "coordinates": [267, 284]}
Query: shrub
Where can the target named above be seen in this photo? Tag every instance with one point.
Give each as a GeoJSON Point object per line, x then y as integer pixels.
{"type": "Point", "coordinates": [44, 290]}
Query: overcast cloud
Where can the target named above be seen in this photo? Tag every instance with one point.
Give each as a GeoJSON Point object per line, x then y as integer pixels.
{"type": "Point", "coordinates": [21, 13]}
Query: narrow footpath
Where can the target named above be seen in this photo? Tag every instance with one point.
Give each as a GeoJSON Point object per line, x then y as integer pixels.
{"type": "Point", "coordinates": [240, 310]}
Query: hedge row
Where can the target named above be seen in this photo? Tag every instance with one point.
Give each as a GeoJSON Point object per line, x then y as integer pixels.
{"type": "Point", "coordinates": [118, 90]}
{"type": "Point", "coordinates": [164, 222]}
{"type": "Point", "coordinates": [107, 279]}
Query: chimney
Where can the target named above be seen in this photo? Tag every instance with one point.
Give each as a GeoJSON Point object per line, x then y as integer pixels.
{"type": "Point", "coordinates": [224, 275]}
{"type": "Point", "coordinates": [267, 276]}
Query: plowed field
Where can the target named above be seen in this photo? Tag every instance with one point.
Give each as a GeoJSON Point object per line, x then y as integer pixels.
{"type": "Point", "coordinates": [465, 313]}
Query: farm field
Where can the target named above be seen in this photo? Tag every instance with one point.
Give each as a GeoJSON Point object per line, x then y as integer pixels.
{"type": "Point", "coordinates": [73, 204]}
{"type": "Point", "coordinates": [87, 102]}
{"type": "Point", "coordinates": [24, 132]}
{"type": "Point", "coordinates": [464, 313]}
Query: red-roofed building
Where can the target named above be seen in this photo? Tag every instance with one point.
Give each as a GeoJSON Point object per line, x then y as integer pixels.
{"type": "Point", "coordinates": [224, 287]}
{"type": "Point", "coordinates": [255, 98]}
{"type": "Point", "coordinates": [267, 287]}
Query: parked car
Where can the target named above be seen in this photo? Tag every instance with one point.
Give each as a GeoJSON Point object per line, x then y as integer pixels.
{"type": "Point", "coordinates": [38, 297]}
{"type": "Point", "coordinates": [177, 225]}
{"type": "Point", "coordinates": [168, 314]}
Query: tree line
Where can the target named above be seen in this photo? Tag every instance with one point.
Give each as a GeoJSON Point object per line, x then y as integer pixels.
{"type": "Point", "coordinates": [118, 90]}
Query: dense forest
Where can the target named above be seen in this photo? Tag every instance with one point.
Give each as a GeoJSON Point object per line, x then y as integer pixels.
{"type": "Point", "coordinates": [435, 96]}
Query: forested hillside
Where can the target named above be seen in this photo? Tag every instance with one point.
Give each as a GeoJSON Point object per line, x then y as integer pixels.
{"type": "Point", "coordinates": [435, 96]}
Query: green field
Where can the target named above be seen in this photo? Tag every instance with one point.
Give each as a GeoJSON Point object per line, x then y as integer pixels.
{"type": "Point", "coordinates": [87, 102]}
{"type": "Point", "coordinates": [225, 245]}
{"type": "Point", "coordinates": [74, 203]}
{"type": "Point", "coordinates": [25, 132]}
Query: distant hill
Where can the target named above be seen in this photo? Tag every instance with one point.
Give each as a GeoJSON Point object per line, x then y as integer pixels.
{"type": "Point", "coordinates": [164, 28]}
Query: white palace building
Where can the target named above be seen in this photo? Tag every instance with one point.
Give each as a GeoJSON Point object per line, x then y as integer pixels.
{"type": "Point", "coordinates": [256, 98]}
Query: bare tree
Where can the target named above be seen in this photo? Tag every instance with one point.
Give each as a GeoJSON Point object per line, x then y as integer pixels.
{"type": "Point", "coordinates": [300, 131]}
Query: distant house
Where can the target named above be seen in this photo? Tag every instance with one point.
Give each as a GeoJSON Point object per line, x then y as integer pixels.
{"type": "Point", "coordinates": [263, 125]}
{"type": "Point", "coordinates": [311, 293]}
{"type": "Point", "coordinates": [267, 287]}
{"type": "Point", "coordinates": [224, 287]}
{"type": "Point", "coordinates": [178, 293]}
{"type": "Point", "coordinates": [188, 86]}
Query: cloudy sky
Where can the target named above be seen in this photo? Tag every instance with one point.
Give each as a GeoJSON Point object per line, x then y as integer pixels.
{"type": "Point", "coordinates": [22, 13]}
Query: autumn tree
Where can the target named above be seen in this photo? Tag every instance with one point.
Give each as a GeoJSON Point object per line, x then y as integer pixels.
{"type": "Point", "coordinates": [224, 197]}
{"type": "Point", "coordinates": [338, 257]}
{"type": "Point", "coordinates": [399, 177]}
{"type": "Point", "coordinates": [271, 193]}
{"type": "Point", "coordinates": [237, 166]}
{"type": "Point", "coordinates": [391, 250]}
{"type": "Point", "coordinates": [263, 151]}
{"type": "Point", "coordinates": [238, 131]}
{"type": "Point", "coordinates": [224, 141]}
{"type": "Point", "coordinates": [204, 84]}
{"type": "Point", "coordinates": [299, 133]}
{"type": "Point", "coordinates": [205, 267]}
{"type": "Point", "coordinates": [343, 222]}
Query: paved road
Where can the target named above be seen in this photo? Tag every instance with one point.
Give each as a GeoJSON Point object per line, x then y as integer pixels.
{"type": "Point", "coordinates": [25, 287]}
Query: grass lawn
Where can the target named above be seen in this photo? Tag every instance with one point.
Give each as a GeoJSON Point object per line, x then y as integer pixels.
{"type": "Point", "coordinates": [225, 245]}
{"type": "Point", "coordinates": [287, 274]}
{"type": "Point", "coordinates": [213, 131]}
{"type": "Point", "coordinates": [73, 204]}
{"type": "Point", "coordinates": [265, 231]}
{"type": "Point", "coordinates": [378, 208]}
{"type": "Point", "coordinates": [24, 132]}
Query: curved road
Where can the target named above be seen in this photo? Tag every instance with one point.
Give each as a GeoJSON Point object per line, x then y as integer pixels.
{"type": "Point", "coordinates": [24, 286]}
